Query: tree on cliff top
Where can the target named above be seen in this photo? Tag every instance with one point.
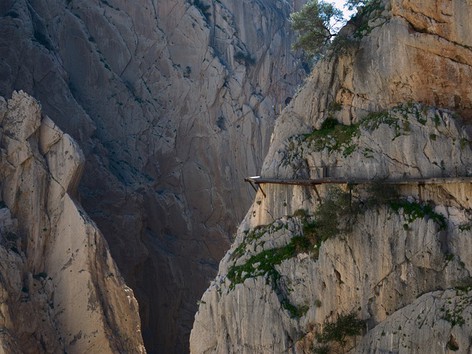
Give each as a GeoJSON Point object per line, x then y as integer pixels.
{"type": "Point", "coordinates": [318, 22]}
{"type": "Point", "coordinates": [316, 26]}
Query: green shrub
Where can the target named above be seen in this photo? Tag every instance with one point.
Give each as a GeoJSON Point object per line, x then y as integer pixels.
{"type": "Point", "coordinates": [333, 136]}
{"type": "Point", "coordinates": [335, 214]}
{"type": "Point", "coordinates": [415, 210]}
{"type": "Point", "coordinates": [367, 11]}
{"type": "Point", "coordinates": [315, 24]}
{"type": "Point", "coordinates": [261, 264]}
{"type": "Point", "coordinates": [344, 326]}
{"type": "Point", "coordinates": [295, 311]}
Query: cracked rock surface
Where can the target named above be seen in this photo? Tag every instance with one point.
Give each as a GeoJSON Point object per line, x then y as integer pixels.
{"type": "Point", "coordinates": [383, 110]}
{"type": "Point", "coordinates": [172, 103]}
{"type": "Point", "coordinates": [61, 291]}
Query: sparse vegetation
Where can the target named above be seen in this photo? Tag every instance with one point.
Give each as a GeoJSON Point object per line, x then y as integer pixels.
{"type": "Point", "coordinates": [261, 264]}
{"type": "Point", "coordinates": [264, 264]}
{"type": "Point", "coordinates": [315, 24]}
{"type": "Point", "coordinates": [318, 22]}
{"type": "Point", "coordinates": [295, 311]}
{"type": "Point", "coordinates": [465, 227]}
{"type": "Point", "coordinates": [333, 136]}
{"type": "Point", "coordinates": [414, 210]}
{"type": "Point", "coordinates": [336, 137]}
{"type": "Point", "coordinates": [338, 331]}
{"type": "Point", "coordinates": [453, 310]}
{"type": "Point", "coordinates": [331, 217]}
{"type": "Point", "coordinates": [368, 11]}
{"type": "Point", "coordinates": [334, 215]}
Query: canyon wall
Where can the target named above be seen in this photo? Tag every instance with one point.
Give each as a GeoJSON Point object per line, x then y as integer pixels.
{"type": "Point", "coordinates": [393, 106]}
{"type": "Point", "coordinates": [61, 291]}
{"type": "Point", "coordinates": [172, 103]}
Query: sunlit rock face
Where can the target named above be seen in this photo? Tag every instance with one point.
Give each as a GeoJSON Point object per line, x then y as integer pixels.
{"type": "Point", "coordinates": [396, 106]}
{"type": "Point", "coordinates": [172, 103]}
{"type": "Point", "coordinates": [61, 290]}
{"type": "Point", "coordinates": [394, 251]}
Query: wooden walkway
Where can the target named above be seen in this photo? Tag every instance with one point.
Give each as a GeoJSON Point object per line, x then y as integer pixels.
{"type": "Point", "coordinates": [258, 180]}
{"type": "Point", "coordinates": [341, 180]}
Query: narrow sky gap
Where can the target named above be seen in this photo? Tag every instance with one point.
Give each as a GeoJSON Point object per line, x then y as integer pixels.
{"type": "Point", "coordinates": [346, 12]}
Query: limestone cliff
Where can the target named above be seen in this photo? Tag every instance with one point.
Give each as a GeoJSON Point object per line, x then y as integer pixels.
{"type": "Point", "coordinates": [393, 107]}
{"type": "Point", "coordinates": [60, 289]}
{"type": "Point", "coordinates": [172, 103]}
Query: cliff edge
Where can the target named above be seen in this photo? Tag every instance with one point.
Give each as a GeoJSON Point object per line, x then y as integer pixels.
{"type": "Point", "coordinates": [172, 103]}
{"type": "Point", "coordinates": [378, 261]}
{"type": "Point", "coordinates": [60, 289]}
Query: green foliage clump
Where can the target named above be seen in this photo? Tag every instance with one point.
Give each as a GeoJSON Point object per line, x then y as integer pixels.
{"type": "Point", "coordinates": [264, 264]}
{"type": "Point", "coordinates": [337, 332]}
{"type": "Point", "coordinates": [453, 311]}
{"type": "Point", "coordinates": [253, 235]}
{"type": "Point", "coordinates": [325, 223]}
{"type": "Point", "coordinates": [295, 311]}
{"type": "Point", "coordinates": [415, 210]}
{"type": "Point", "coordinates": [261, 264]}
{"type": "Point", "coordinates": [315, 24]}
{"type": "Point", "coordinates": [337, 137]}
{"type": "Point", "coordinates": [374, 119]}
{"type": "Point", "coordinates": [335, 214]}
{"type": "Point", "coordinates": [318, 21]}
{"type": "Point", "coordinates": [367, 11]}
{"type": "Point", "coordinates": [333, 136]}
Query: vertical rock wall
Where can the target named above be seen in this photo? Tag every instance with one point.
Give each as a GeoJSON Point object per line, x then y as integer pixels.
{"type": "Point", "coordinates": [61, 290]}
{"type": "Point", "coordinates": [402, 92]}
{"type": "Point", "coordinates": [172, 103]}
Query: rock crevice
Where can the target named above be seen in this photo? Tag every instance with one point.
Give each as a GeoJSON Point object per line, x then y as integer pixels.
{"type": "Point", "coordinates": [58, 277]}
{"type": "Point", "coordinates": [397, 257]}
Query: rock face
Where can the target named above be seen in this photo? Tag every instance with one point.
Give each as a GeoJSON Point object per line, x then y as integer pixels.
{"type": "Point", "coordinates": [61, 290]}
{"type": "Point", "coordinates": [395, 257]}
{"type": "Point", "coordinates": [172, 103]}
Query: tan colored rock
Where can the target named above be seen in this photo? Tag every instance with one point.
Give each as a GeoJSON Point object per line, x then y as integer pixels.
{"type": "Point", "coordinates": [173, 103]}
{"type": "Point", "coordinates": [61, 290]}
{"type": "Point", "coordinates": [437, 321]}
{"type": "Point", "coordinates": [410, 55]}
{"type": "Point", "coordinates": [407, 276]}
{"type": "Point", "coordinates": [382, 265]}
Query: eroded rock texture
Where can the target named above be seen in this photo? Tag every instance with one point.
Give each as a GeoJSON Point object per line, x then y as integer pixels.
{"type": "Point", "coordinates": [172, 103]}
{"type": "Point", "coordinates": [60, 288]}
{"type": "Point", "coordinates": [399, 259]}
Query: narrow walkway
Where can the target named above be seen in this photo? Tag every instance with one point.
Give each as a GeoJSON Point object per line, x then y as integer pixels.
{"type": "Point", "coordinates": [342, 180]}
{"type": "Point", "coordinates": [258, 180]}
